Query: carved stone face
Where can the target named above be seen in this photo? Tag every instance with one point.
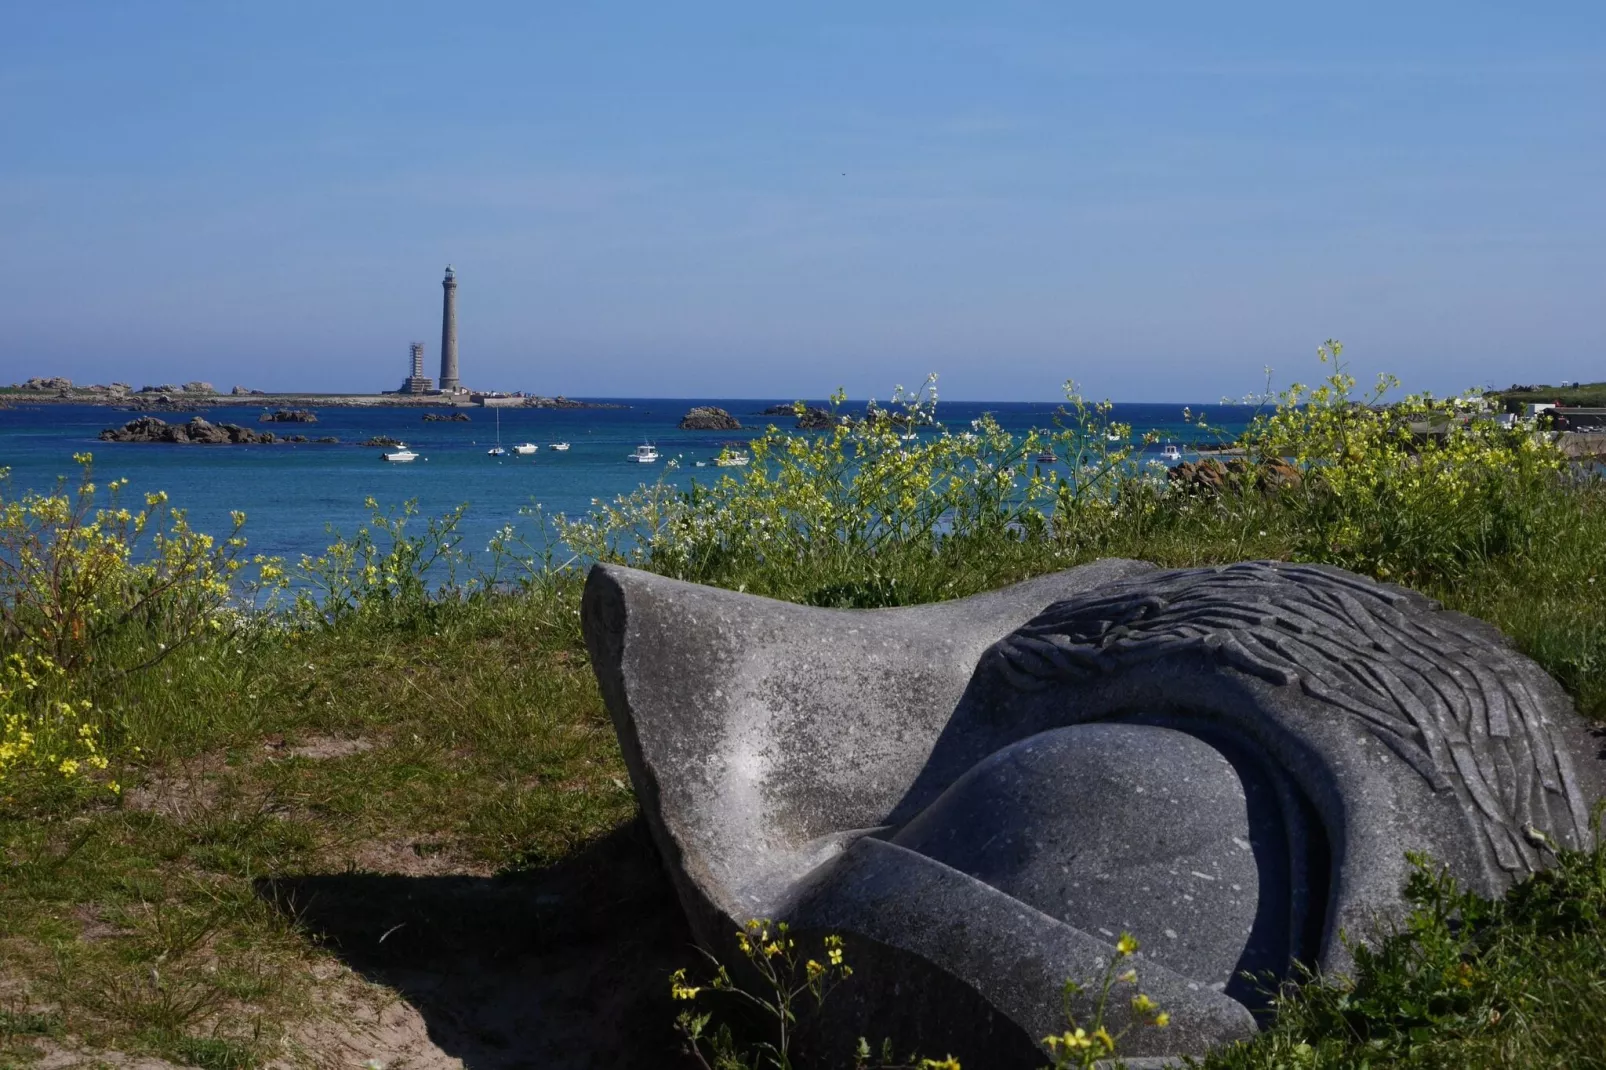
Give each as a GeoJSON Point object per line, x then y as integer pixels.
{"type": "Point", "coordinates": [1231, 764]}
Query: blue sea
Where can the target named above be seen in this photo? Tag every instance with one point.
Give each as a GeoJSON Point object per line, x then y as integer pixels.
{"type": "Point", "coordinates": [294, 495]}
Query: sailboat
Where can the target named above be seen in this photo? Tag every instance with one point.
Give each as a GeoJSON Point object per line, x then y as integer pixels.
{"type": "Point", "coordinates": [497, 450]}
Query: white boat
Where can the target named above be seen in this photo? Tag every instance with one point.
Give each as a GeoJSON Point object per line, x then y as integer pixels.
{"type": "Point", "coordinates": [1171, 453]}
{"type": "Point", "coordinates": [1047, 457]}
{"type": "Point", "coordinates": [645, 454]}
{"type": "Point", "coordinates": [733, 459]}
{"type": "Point", "coordinates": [497, 450]}
{"type": "Point", "coordinates": [400, 455]}
{"type": "Point", "coordinates": [525, 448]}
{"type": "Point", "coordinates": [559, 446]}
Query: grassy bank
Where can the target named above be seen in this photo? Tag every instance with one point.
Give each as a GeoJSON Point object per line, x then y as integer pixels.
{"type": "Point", "coordinates": [392, 824]}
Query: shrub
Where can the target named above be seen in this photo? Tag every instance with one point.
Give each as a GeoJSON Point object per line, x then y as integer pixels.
{"type": "Point", "coordinates": [89, 592]}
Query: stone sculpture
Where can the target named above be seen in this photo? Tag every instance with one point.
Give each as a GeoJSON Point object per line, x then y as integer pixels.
{"type": "Point", "coordinates": [1231, 763]}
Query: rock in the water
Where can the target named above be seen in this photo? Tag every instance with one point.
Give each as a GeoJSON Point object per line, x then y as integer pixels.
{"type": "Point", "coordinates": [437, 417]}
{"type": "Point", "coordinates": [197, 432]}
{"type": "Point", "coordinates": [815, 418]}
{"type": "Point", "coordinates": [244, 391]}
{"type": "Point", "coordinates": [199, 386]}
{"type": "Point", "coordinates": [288, 416]}
{"type": "Point", "coordinates": [143, 429]}
{"type": "Point", "coordinates": [206, 433]}
{"type": "Point", "coordinates": [812, 418]}
{"type": "Point", "coordinates": [709, 418]}
{"type": "Point", "coordinates": [1232, 763]}
{"type": "Point", "coordinates": [381, 440]}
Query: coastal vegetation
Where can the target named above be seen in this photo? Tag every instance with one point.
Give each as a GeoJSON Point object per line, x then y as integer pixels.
{"type": "Point", "coordinates": [1589, 395]}
{"type": "Point", "coordinates": [246, 803]}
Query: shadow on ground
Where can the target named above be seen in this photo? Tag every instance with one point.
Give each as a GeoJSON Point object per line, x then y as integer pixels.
{"type": "Point", "coordinates": [565, 967]}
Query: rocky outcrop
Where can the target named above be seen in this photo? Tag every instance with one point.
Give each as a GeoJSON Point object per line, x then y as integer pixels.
{"type": "Point", "coordinates": [440, 417]}
{"type": "Point", "coordinates": [168, 388]}
{"type": "Point", "coordinates": [815, 419]}
{"type": "Point", "coordinates": [381, 440]}
{"type": "Point", "coordinates": [164, 402]}
{"type": "Point", "coordinates": [561, 402]}
{"type": "Point", "coordinates": [197, 432]}
{"type": "Point", "coordinates": [812, 418]}
{"type": "Point", "coordinates": [709, 418]}
{"type": "Point", "coordinates": [1210, 475]}
{"type": "Point", "coordinates": [198, 386]}
{"type": "Point", "coordinates": [245, 391]}
{"type": "Point", "coordinates": [1584, 446]}
{"type": "Point", "coordinates": [288, 416]}
{"type": "Point", "coordinates": [52, 385]}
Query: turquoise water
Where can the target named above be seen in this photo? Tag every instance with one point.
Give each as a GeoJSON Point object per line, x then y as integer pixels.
{"type": "Point", "coordinates": [292, 494]}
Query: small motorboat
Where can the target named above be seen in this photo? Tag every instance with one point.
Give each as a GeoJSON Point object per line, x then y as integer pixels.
{"type": "Point", "coordinates": [1047, 457]}
{"type": "Point", "coordinates": [1171, 453]}
{"type": "Point", "coordinates": [733, 459]}
{"type": "Point", "coordinates": [400, 455]}
{"type": "Point", "coordinates": [645, 453]}
{"type": "Point", "coordinates": [559, 446]}
{"type": "Point", "coordinates": [525, 448]}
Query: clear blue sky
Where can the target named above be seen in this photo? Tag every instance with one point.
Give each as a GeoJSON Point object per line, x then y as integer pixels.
{"type": "Point", "coordinates": [752, 199]}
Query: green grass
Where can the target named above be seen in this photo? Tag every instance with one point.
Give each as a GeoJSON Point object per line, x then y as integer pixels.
{"type": "Point", "coordinates": [485, 750]}
{"type": "Point", "coordinates": [1465, 982]}
{"type": "Point", "coordinates": [1588, 395]}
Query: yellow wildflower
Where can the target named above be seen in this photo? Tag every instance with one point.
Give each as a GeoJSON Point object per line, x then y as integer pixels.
{"type": "Point", "coordinates": [1127, 945]}
{"type": "Point", "coordinates": [679, 989]}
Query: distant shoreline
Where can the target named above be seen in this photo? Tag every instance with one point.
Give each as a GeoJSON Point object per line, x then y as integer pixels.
{"type": "Point", "coordinates": [185, 401]}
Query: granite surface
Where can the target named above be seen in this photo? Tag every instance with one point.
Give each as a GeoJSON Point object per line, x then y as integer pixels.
{"type": "Point", "coordinates": [980, 795]}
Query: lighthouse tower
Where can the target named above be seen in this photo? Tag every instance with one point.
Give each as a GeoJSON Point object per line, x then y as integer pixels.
{"type": "Point", "coordinates": [449, 380]}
